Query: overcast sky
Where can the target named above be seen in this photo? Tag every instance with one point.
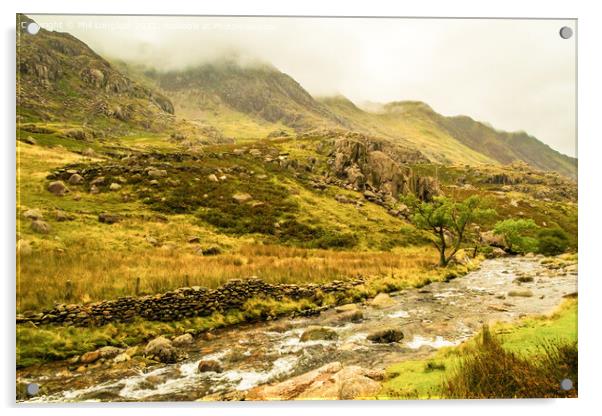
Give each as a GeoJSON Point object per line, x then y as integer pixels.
{"type": "Point", "coordinates": [513, 74]}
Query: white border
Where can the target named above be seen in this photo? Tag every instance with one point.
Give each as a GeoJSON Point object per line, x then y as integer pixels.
{"type": "Point", "coordinates": [590, 96]}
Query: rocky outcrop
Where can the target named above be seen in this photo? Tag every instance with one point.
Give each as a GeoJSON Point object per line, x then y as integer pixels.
{"type": "Point", "coordinates": [181, 303]}
{"type": "Point", "coordinates": [376, 167]}
{"type": "Point", "coordinates": [329, 382]}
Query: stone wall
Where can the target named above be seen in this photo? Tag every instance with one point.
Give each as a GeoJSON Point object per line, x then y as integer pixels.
{"type": "Point", "coordinates": [181, 303]}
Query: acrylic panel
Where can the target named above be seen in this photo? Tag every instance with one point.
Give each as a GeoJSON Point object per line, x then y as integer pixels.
{"type": "Point", "coordinates": [218, 208]}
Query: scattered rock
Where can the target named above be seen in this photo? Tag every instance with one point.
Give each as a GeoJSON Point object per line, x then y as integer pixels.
{"type": "Point", "coordinates": [161, 349]}
{"type": "Point", "coordinates": [157, 173]}
{"type": "Point", "coordinates": [62, 216]}
{"type": "Point", "coordinates": [114, 186]}
{"type": "Point", "coordinates": [386, 336]}
{"type": "Point", "coordinates": [212, 178]}
{"type": "Point", "coordinates": [98, 181]}
{"type": "Point", "coordinates": [183, 340]}
{"type": "Point", "coordinates": [41, 227]}
{"type": "Point", "coordinates": [241, 197]}
{"type": "Point", "coordinates": [75, 179]}
{"type": "Point", "coordinates": [108, 218]}
{"type": "Point", "coordinates": [210, 366]}
{"type": "Point", "coordinates": [58, 188]}
{"type": "Point", "coordinates": [33, 214]}
{"type": "Point", "coordinates": [314, 333]}
{"type": "Point", "coordinates": [109, 351]}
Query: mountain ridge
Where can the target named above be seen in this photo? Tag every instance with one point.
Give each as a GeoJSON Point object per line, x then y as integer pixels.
{"type": "Point", "coordinates": [62, 78]}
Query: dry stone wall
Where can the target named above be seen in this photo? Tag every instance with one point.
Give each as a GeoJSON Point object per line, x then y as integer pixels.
{"type": "Point", "coordinates": [181, 303]}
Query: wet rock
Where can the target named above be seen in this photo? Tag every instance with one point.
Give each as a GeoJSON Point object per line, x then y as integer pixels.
{"type": "Point", "coordinates": [75, 179]}
{"type": "Point", "coordinates": [210, 366]}
{"type": "Point", "coordinates": [241, 197]}
{"type": "Point", "coordinates": [183, 340]}
{"type": "Point", "coordinates": [108, 218]}
{"type": "Point", "coordinates": [40, 227]}
{"type": "Point", "coordinates": [162, 350]}
{"type": "Point", "coordinates": [58, 188]}
{"type": "Point", "coordinates": [382, 300]}
{"type": "Point", "coordinates": [386, 336]}
{"type": "Point", "coordinates": [350, 316]}
{"type": "Point", "coordinates": [314, 333]}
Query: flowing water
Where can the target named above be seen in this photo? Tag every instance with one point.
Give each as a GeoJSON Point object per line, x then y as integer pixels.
{"type": "Point", "coordinates": [441, 314]}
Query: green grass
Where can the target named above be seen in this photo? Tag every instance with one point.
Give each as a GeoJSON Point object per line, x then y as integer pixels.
{"type": "Point", "coordinates": [418, 378]}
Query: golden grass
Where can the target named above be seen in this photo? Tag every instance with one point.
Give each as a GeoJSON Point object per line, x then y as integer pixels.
{"type": "Point", "coordinates": [104, 274]}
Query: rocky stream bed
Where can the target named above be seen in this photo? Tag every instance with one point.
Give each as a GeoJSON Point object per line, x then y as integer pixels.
{"type": "Point", "coordinates": [282, 360]}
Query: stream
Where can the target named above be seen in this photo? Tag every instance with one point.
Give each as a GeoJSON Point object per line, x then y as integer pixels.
{"type": "Point", "coordinates": [440, 314]}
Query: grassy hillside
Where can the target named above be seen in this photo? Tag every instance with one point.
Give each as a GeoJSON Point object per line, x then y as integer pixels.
{"type": "Point", "coordinates": [528, 338]}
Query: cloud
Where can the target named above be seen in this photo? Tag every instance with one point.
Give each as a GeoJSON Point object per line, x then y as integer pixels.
{"type": "Point", "coordinates": [513, 74]}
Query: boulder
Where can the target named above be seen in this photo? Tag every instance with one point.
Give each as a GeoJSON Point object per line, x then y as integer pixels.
{"type": "Point", "coordinates": [114, 186]}
{"type": "Point", "coordinates": [162, 350]}
{"type": "Point", "coordinates": [314, 333]}
{"type": "Point", "coordinates": [109, 351]}
{"type": "Point", "coordinates": [182, 340]}
{"type": "Point", "coordinates": [241, 197]}
{"type": "Point", "coordinates": [89, 357]}
{"type": "Point", "coordinates": [58, 188]}
{"type": "Point", "coordinates": [386, 336]}
{"type": "Point", "coordinates": [382, 300]}
{"type": "Point", "coordinates": [209, 366]}
{"type": "Point", "coordinates": [496, 252]}
{"type": "Point", "coordinates": [350, 316]}
{"type": "Point", "coordinates": [41, 227]}
{"type": "Point", "coordinates": [329, 382]}
{"type": "Point", "coordinates": [75, 179]}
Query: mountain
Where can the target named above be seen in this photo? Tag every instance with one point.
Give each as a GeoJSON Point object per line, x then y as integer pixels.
{"type": "Point", "coordinates": [258, 90]}
{"type": "Point", "coordinates": [60, 79]}
{"type": "Point", "coordinates": [452, 140]}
